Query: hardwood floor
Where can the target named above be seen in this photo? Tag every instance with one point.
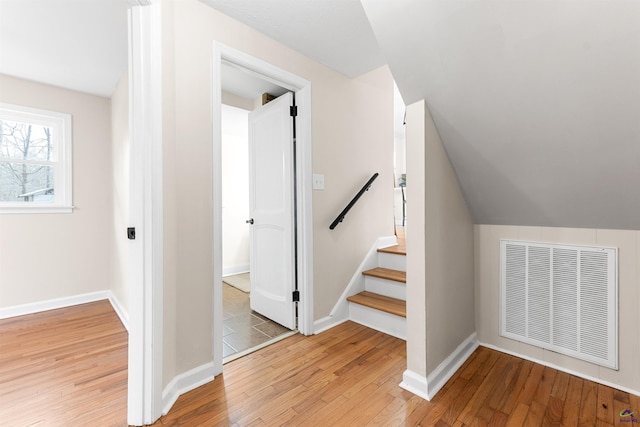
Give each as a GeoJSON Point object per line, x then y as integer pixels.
{"type": "Point", "coordinates": [68, 367]}
{"type": "Point", "coordinates": [64, 367]}
{"type": "Point", "coordinates": [349, 376]}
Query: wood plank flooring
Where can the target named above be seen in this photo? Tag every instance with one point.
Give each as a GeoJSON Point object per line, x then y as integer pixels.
{"type": "Point", "coordinates": [396, 249]}
{"type": "Point", "coordinates": [64, 367]}
{"type": "Point", "coordinates": [349, 376]}
{"type": "Point", "coordinates": [386, 273]}
{"type": "Point", "coordinates": [380, 302]}
{"type": "Point", "coordinates": [68, 367]}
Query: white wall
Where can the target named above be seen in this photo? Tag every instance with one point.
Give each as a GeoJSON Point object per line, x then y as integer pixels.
{"type": "Point", "coordinates": [440, 280]}
{"type": "Point", "coordinates": [487, 285]}
{"type": "Point", "coordinates": [352, 138]}
{"type": "Point", "coordinates": [235, 190]}
{"type": "Point", "coordinates": [120, 196]}
{"type": "Point", "coordinates": [47, 256]}
{"type": "Point", "coordinates": [234, 100]}
{"type": "Point", "coordinates": [416, 246]}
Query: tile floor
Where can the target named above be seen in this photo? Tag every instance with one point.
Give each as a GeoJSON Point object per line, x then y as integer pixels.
{"type": "Point", "coordinates": [243, 327]}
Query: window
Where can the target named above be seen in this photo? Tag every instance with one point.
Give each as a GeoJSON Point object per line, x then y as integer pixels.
{"type": "Point", "coordinates": [35, 160]}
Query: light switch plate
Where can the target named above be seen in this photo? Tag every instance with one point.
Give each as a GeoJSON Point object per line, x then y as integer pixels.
{"type": "Point", "coordinates": [318, 182]}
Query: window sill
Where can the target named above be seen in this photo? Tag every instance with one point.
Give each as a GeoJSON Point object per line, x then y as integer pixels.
{"type": "Point", "coordinates": [35, 209]}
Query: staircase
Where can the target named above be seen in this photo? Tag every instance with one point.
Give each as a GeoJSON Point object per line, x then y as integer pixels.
{"type": "Point", "coordinates": [382, 305]}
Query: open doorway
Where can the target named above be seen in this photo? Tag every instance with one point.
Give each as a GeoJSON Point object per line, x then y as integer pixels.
{"type": "Point", "coordinates": [244, 329]}
{"type": "Point", "coordinates": [240, 65]}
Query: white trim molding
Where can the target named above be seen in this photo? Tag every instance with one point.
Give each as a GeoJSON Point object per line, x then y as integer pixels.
{"type": "Point", "coordinates": [60, 153]}
{"type": "Point", "coordinates": [235, 269]}
{"type": "Point", "coordinates": [302, 89]}
{"type": "Point", "coordinates": [429, 386]}
{"type": "Point", "coordinates": [53, 304]}
{"type": "Point", "coordinates": [328, 322]}
{"type": "Point", "coordinates": [186, 382]}
{"type": "Point", "coordinates": [416, 384]}
{"type": "Point", "coordinates": [340, 312]}
{"type": "Point", "coordinates": [122, 313]}
{"type": "Point", "coordinates": [144, 404]}
{"type": "Point", "coordinates": [63, 302]}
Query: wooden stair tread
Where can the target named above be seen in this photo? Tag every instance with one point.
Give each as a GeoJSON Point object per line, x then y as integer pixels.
{"type": "Point", "coordinates": [380, 302]}
{"type": "Point", "coordinates": [387, 273]}
{"type": "Point", "coordinates": [396, 249]}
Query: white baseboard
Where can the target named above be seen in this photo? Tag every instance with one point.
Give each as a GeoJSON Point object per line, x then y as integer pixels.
{"type": "Point", "coordinates": [340, 312]}
{"type": "Point", "coordinates": [119, 309]}
{"type": "Point", "coordinates": [560, 368]}
{"type": "Point", "coordinates": [233, 270]}
{"type": "Point", "coordinates": [429, 386]}
{"type": "Point", "coordinates": [56, 303]}
{"type": "Point", "coordinates": [53, 304]}
{"type": "Point", "coordinates": [329, 322]}
{"type": "Point", "coordinates": [415, 383]}
{"type": "Point", "coordinates": [186, 382]}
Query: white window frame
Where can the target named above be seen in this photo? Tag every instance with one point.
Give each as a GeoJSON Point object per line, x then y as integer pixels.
{"type": "Point", "coordinates": [60, 124]}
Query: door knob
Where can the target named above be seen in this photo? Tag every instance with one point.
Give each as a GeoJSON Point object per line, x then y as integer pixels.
{"type": "Point", "coordinates": [249, 221]}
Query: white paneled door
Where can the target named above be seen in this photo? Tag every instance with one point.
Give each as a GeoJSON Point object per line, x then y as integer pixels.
{"type": "Point", "coordinates": [271, 207]}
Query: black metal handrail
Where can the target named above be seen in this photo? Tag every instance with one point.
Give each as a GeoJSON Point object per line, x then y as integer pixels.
{"type": "Point", "coordinates": [353, 201]}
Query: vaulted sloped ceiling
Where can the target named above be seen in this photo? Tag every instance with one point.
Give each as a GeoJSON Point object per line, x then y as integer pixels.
{"type": "Point", "coordinates": [537, 102]}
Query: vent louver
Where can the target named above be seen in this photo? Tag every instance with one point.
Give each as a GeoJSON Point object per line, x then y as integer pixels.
{"type": "Point", "coordinates": [561, 298]}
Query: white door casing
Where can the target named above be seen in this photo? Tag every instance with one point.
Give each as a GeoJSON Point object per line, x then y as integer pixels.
{"type": "Point", "coordinates": [144, 404]}
{"type": "Point", "coordinates": [304, 219]}
{"type": "Point", "coordinates": [271, 210]}
{"type": "Point", "coordinates": [146, 314]}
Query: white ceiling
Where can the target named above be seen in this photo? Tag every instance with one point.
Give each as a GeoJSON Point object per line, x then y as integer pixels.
{"type": "Point", "coordinates": [335, 33]}
{"type": "Point", "coordinates": [537, 102]}
{"type": "Point", "coordinates": [75, 44]}
{"type": "Point", "coordinates": [82, 44]}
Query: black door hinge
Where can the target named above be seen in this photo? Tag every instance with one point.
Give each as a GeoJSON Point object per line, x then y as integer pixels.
{"type": "Point", "coordinates": [293, 110]}
{"type": "Point", "coordinates": [296, 296]}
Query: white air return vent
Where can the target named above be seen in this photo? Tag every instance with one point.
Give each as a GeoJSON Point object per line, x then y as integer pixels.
{"type": "Point", "coordinates": [561, 298]}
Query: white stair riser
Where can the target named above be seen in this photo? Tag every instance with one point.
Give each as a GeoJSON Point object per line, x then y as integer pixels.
{"type": "Point", "coordinates": [379, 320]}
{"type": "Point", "coordinates": [392, 261]}
{"type": "Point", "coordinates": [388, 288]}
